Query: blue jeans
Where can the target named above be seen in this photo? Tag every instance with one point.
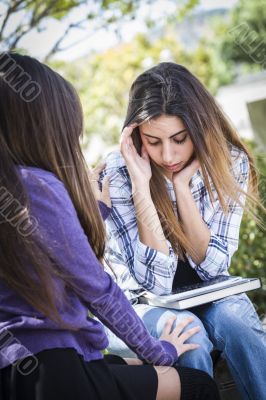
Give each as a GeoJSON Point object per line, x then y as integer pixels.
{"type": "Point", "coordinates": [236, 330]}
{"type": "Point", "coordinates": [231, 325]}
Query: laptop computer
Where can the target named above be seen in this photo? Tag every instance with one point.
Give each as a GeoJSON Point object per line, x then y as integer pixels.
{"type": "Point", "coordinates": [201, 293]}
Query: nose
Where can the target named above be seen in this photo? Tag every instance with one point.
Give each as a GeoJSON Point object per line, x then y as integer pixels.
{"type": "Point", "coordinates": [167, 154]}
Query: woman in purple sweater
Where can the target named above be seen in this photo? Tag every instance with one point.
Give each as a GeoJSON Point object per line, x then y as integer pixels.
{"type": "Point", "coordinates": [52, 244]}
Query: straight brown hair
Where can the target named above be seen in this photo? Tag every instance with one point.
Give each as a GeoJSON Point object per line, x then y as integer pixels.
{"type": "Point", "coordinates": [41, 128]}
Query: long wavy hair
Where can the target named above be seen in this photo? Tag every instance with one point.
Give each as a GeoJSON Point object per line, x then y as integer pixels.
{"type": "Point", "coordinates": [171, 89]}
{"type": "Point", "coordinates": [41, 128]}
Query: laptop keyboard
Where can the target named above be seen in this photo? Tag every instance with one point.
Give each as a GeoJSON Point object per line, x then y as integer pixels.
{"type": "Point", "coordinates": [202, 284]}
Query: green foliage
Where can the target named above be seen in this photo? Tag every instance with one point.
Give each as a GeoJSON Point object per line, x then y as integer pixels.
{"type": "Point", "coordinates": [241, 40]}
{"type": "Point", "coordinates": [250, 259]}
{"type": "Point", "coordinates": [183, 9]}
{"type": "Point", "coordinates": [53, 9]}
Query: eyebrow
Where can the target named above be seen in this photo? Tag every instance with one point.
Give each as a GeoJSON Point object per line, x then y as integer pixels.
{"type": "Point", "coordinates": [175, 134]}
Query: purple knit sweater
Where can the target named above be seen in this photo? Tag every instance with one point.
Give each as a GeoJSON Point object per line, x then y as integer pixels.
{"type": "Point", "coordinates": [25, 331]}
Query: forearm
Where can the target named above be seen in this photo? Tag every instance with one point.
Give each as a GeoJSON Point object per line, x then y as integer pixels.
{"type": "Point", "coordinates": [195, 228]}
{"type": "Point", "coordinates": [149, 226]}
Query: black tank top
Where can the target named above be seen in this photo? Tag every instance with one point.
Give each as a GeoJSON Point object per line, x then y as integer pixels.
{"type": "Point", "coordinates": [185, 275]}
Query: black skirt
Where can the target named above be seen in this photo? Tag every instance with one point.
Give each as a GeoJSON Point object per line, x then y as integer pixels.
{"type": "Point", "coordinates": [62, 374]}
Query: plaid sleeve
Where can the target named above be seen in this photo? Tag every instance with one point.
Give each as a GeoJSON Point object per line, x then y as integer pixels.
{"type": "Point", "coordinates": [159, 269]}
{"type": "Point", "coordinates": [152, 269]}
{"type": "Point", "coordinates": [224, 229]}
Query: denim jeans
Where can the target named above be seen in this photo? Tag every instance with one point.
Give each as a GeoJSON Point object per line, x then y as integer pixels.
{"type": "Point", "coordinates": [231, 325]}
{"type": "Point", "coordinates": [236, 330]}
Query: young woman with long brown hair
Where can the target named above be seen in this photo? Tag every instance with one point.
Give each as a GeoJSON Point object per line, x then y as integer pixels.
{"type": "Point", "coordinates": [178, 189]}
{"type": "Point", "coordinates": [52, 245]}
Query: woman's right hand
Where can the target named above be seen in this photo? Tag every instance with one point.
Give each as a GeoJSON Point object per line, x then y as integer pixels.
{"type": "Point", "coordinates": [177, 337]}
{"type": "Point", "coordinates": [139, 167]}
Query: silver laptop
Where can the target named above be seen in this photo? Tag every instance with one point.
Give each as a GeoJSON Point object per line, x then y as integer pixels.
{"type": "Point", "coordinates": [201, 293]}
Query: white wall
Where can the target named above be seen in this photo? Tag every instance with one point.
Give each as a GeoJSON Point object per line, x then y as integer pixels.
{"type": "Point", "coordinates": [233, 99]}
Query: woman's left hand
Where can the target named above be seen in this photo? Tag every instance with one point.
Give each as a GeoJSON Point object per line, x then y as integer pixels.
{"type": "Point", "coordinates": [103, 195]}
{"type": "Point", "coordinates": [183, 177]}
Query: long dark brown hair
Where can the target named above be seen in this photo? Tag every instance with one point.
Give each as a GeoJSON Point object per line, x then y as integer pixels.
{"type": "Point", "coordinates": [171, 89]}
{"type": "Point", "coordinates": [41, 124]}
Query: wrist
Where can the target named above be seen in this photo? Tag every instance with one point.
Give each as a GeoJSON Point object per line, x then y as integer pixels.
{"type": "Point", "coordinates": [181, 187]}
{"type": "Point", "coordinates": [141, 188]}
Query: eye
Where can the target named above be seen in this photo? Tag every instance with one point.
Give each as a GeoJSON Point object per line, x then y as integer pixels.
{"type": "Point", "coordinates": [153, 144]}
{"type": "Point", "coordinates": [180, 141]}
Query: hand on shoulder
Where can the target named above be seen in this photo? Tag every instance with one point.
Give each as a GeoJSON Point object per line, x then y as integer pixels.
{"type": "Point", "coordinates": [103, 195]}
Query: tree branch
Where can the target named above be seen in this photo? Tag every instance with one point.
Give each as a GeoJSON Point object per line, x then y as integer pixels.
{"type": "Point", "coordinates": [34, 21]}
{"type": "Point", "coordinates": [11, 10]}
{"type": "Point", "coordinates": [56, 46]}
{"type": "Point", "coordinates": [23, 29]}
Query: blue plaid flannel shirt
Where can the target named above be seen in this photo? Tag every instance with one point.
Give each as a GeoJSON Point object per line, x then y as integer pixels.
{"type": "Point", "coordinates": [139, 267]}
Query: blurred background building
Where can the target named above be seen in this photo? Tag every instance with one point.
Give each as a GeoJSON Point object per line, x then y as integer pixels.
{"type": "Point", "coordinates": [244, 102]}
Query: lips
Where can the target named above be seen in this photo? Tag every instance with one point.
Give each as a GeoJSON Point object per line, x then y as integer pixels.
{"type": "Point", "coordinates": [173, 167]}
